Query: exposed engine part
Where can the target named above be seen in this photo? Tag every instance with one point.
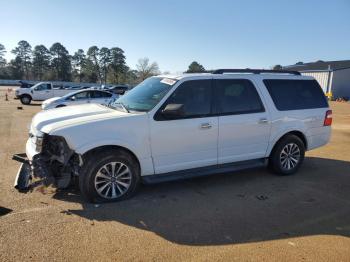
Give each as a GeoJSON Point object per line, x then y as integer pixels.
{"type": "Point", "coordinates": [56, 164]}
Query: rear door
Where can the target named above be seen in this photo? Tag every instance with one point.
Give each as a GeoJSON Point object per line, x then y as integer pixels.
{"type": "Point", "coordinates": [244, 126]}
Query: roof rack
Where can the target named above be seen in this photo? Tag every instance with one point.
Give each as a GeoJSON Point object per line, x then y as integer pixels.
{"type": "Point", "coordinates": [254, 71]}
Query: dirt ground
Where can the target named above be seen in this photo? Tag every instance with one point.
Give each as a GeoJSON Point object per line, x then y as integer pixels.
{"type": "Point", "coordinates": [245, 216]}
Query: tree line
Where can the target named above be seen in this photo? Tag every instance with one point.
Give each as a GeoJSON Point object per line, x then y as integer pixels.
{"type": "Point", "coordinates": [96, 65]}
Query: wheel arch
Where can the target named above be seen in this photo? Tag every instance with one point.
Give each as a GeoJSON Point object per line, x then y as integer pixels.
{"type": "Point", "coordinates": [23, 95]}
{"type": "Point", "coordinates": [297, 133]}
{"type": "Point", "coordinates": [112, 147]}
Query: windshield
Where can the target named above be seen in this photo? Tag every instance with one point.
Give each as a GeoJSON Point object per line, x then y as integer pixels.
{"type": "Point", "coordinates": [146, 95]}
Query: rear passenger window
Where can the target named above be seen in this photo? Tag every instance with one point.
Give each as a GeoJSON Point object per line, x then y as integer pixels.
{"type": "Point", "coordinates": [296, 94]}
{"type": "Point", "coordinates": [237, 96]}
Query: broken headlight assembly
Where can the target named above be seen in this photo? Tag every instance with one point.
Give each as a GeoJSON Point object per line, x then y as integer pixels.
{"type": "Point", "coordinates": [37, 140]}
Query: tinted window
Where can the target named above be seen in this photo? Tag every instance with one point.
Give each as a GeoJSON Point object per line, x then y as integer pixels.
{"type": "Point", "coordinates": [237, 96]}
{"type": "Point", "coordinates": [99, 94]}
{"type": "Point", "coordinates": [195, 96]}
{"type": "Point", "coordinates": [296, 94]}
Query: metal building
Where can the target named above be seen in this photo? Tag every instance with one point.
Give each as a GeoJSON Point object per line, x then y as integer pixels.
{"type": "Point", "coordinates": [333, 76]}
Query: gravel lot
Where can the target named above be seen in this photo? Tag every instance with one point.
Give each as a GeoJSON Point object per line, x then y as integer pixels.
{"type": "Point", "coordinates": [245, 216]}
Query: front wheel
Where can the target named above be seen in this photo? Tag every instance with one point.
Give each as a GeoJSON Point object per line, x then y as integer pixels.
{"type": "Point", "coordinates": [109, 176]}
{"type": "Point", "coordinates": [288, 155]}
{"type": "Point", "coordinates": [26, 99]}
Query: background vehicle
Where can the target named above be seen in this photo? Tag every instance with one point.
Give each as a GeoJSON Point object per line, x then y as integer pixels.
{"type": "Point", "coordinates": [40, 92]}
{"type": "Point", "coordinates": [118, 89]}
{"type": "Point", "coordinates": [80, 97]}
{"type": "Point", "coordinates": [176, 127]}
{"type": "Point", "coordinates": [24, 84]}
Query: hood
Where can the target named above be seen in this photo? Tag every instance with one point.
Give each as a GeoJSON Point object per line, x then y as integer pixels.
{"type": "Point", "coordinates": [50, 100]}
{"type": "Point", "coordinates": [45, 121]}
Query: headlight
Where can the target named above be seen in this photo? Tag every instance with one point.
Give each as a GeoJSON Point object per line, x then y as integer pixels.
{"type": "Point", "coordinates": [37, 140]}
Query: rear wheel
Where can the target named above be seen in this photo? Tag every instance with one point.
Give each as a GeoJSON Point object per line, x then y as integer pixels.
{"type": "Point", "coordinates": [26, 99]}
{"type": "Point", "coordinates": [109, 176]}
{"type": "Point", "coordinates": [288, 155]}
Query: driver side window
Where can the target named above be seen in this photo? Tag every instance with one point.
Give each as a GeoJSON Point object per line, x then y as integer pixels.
{"type": "Point", "coordinates": [195, 96]}
{"type": "Point", "coordinates": [43, 87]}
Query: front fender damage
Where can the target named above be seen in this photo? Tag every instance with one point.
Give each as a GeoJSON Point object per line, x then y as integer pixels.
{"type": "Point", "coordinates": [55, 166]}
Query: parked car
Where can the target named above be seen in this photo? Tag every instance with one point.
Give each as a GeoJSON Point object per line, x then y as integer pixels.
{"type": "Point", "coordinates": [80, 97]}
{"type": "Point", "coordinates": [177, 127]}
{"type": "Point", "coordinates": [118, 89]}
{"type": "Point", "coordinates": [40, 92]}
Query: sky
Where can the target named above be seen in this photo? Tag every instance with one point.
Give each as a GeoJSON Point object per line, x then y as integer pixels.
{"type": "Point", "coordinates": [216, 33]}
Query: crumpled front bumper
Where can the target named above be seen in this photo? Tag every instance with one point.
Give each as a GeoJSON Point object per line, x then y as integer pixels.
{"type": "Point", "coordinates": [39, 165]}
{"type": "Point", "coordinates": [29, 169]}
{"type": "Point", "coordinates": [24, 174]}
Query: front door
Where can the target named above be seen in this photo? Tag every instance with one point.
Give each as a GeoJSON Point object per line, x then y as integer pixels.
{"type": "Point", "coordinates": [244, 126]}
{"type": "Point", "coordinates": [42, 92]}
{"type": "Point", "coordinates": [189, 141]}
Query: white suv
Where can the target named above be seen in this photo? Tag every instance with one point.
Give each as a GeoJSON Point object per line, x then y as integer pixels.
{"type": "Point", "coordinates": [175, 127]}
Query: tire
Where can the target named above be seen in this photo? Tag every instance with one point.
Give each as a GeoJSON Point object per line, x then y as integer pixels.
{"type": "Point", "coordinates": [60, 106]}
{"type": "Point", "coordinates": [26, 99]}
{"type": "Point", "coordinates": [287, 155]}
{"type": "Point", "coordinates": [96, 183]}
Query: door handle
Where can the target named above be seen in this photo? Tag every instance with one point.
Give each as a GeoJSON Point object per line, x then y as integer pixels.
{"type": "Point", "coordinates": [205, 126]}
{"type": "Point", "coordinates": [263, 121]}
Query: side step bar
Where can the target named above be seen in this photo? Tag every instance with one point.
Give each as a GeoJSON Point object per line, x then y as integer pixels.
{"type": "Point", "coordinates": [204, 171]}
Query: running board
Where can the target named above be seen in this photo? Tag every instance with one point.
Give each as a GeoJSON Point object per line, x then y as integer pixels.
{"type": "Point", "coordinates": [204, 171]}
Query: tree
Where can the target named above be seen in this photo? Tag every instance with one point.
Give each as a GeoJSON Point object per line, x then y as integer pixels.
{"type": "Point", "coordinates": [15, 68]}
{"type": "Point", "coordinates": [92, 54]}
{"type": "Point", "coordinates": [23, 53]}
{"type": "Point", "coordinates": [195, 67]}
{"type": "Point", "coordinates": [118, 67]}
{"type": "Point", "coordinates": [79, 62]}
{"type": "Point", "coordinates": [104, 61]}
{"type": "Point", "coordinates": [61, 62]}
{"type": "Point", "coordinates": [2, 56]}
{"type": "Point", "coordinates": [41, 61]}
{"type": "Point", "coordinates": [277, 67]}
{"type": "Point", "coordinates": [145, 69]}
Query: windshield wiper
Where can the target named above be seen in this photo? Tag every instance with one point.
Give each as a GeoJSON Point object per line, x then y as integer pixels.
{"type": "Point", "coordinates": [123, 106]}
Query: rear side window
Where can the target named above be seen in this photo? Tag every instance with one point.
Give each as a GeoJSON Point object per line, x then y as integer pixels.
{"type": "Point", "coordinates": [237, 96]}
{"type": "Point", "coordinates": [296, 94]}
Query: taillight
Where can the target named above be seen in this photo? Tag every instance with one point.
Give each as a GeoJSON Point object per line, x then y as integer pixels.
{"type": "Point", "coordinates": [328, 118]}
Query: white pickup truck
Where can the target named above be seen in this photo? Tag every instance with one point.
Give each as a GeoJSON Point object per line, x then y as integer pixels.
{"type": "Point", "coordinates": [40, 92]}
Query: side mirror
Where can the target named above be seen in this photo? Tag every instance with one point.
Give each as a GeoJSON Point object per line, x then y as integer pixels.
{"type": "Point", "coordinates": [72, 98]}
{"type": "Point", "coordinates": [173, 111]}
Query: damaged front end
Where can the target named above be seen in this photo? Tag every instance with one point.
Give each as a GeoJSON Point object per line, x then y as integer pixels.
{"type": "Point", "coordinates": [55, 164]}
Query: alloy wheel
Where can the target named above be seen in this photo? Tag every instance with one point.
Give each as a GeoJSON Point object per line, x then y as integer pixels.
{"type": "Point", "coordinates": [290, 156]}
{"type": "Point", "coordinates": [113, 180]}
